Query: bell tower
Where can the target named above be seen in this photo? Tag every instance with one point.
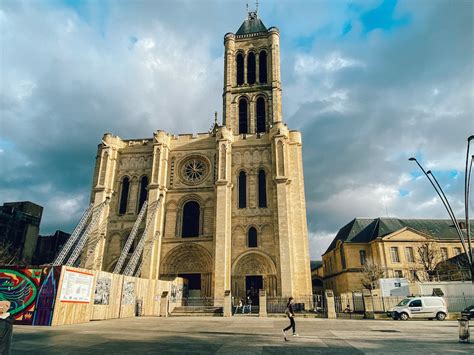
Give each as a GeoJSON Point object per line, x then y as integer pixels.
{"type": "Point", "coordinates": [252, 85]}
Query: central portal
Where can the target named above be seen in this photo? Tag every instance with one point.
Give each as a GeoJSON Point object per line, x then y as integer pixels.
{"type": "Point", "coordinates": [193, 285]}
{"type": "Point", "coordinates": [252, 285]}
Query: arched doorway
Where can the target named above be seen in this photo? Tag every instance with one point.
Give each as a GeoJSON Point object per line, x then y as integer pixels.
{"type": "Point", "coordinates": [251, 272]}
{"type": "Point", "coordinates": [193, 263]}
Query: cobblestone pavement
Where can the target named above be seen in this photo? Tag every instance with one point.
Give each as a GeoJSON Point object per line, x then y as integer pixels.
{"type": "Point", "coordinates": [249, 335]}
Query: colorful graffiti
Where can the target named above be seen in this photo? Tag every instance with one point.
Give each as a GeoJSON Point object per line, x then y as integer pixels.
{"type": "Point", "coordinates": [31, 292]}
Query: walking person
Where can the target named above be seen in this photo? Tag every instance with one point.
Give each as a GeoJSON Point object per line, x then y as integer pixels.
{"type": "Point", "coordinates": [6, 328]}
{"type": "Point", "coordinates": [291, 316]}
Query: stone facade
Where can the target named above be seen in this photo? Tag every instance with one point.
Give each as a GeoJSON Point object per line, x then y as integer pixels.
{"type": "Point", "coordinates": [232, 214]}
{"type": "Point", "coordinates": [393, 244]}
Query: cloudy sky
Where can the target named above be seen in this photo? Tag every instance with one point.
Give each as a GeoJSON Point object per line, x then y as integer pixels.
{"type": "Point", "coordinates": [369, 83]}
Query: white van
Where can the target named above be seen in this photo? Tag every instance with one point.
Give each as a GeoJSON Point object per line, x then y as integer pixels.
{"type": "Point", "coordinates": [420, 307]}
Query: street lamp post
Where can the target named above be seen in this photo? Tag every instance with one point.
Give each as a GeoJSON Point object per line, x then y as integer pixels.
{"type": "Point", "coordinates": [467, 179]}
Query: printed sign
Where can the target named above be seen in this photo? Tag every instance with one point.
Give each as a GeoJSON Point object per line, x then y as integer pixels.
{"type": "Point", "coordinates": [76, 287]}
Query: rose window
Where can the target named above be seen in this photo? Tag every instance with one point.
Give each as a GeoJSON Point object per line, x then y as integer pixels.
{"type": "Point", "coordinates": [194, 170]}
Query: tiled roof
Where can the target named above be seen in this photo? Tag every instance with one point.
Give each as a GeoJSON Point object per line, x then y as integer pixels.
{"type": "Point", "coordinates": [364, 230]}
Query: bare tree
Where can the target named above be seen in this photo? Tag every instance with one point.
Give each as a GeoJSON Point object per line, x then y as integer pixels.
{"type": "Point", "coordinates": [429, 256]}
{"type": "Point", "coordinates": [370, 274]}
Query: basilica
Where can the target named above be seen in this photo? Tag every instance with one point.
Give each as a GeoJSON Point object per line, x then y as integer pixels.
{"type": "Point", "coordinates": [226, 208]}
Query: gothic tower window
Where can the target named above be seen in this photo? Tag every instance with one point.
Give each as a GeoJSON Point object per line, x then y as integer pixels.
{"type": "Point", "coordinates": [262, 67]}
{"type": "Point", "coordinates": [251, 70]}
{"type": "Point", "coordinates": [142, 195]}
{"type": "Point", "coordinates": [243, 116]}
{"type": "Point", "coordinates": [262, 189]}
{"type": "Point", "coordinates": [260, 114]}
{"type": "Point", "coordinates": [124, 195]}
{"type": "Point", "coordinates": [240, 68]}
{"type": "Point", "coordinates": [252, 238]}
{"type": "Point", "coordinates": [242, 189]}
{"type": "Point", "coordinates": [190, 221]}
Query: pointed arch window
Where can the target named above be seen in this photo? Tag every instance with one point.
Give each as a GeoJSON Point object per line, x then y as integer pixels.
{"type": "Point", "coordinates": [143, 194]}
{"type": "Point", "coordinates": [240, 68]}
{"type": "Point", "coordinates": [124, 195]}
{"type": "Point", "coordinates": [252, 238]}
{"type": "Point", "coordinates": [262, 189]}
{"type": "Point", "coordinates": [262, 67]}
{"type": "Point", "coordinates": [191, 218]}
{"type": "Point", "coordinates": [251, 70]}
{"type": "Point", "coordinates": [243, 116]}
{"type": "Point", "coordinates": [261, 115]}
{"type": "Point", "coordinates": [242, 189]}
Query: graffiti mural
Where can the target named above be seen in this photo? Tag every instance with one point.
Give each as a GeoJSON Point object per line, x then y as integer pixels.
{"type": "Point", "coordinates": [31, 292]}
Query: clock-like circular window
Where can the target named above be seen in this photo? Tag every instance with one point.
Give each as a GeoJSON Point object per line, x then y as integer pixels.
{"type": "Point", "coordinates": [194, 170]}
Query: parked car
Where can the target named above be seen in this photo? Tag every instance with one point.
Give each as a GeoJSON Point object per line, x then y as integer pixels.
{"type": "Point", "coordinates": [468, 312]}
{"type": "Point", "coordinates": [420, 307]}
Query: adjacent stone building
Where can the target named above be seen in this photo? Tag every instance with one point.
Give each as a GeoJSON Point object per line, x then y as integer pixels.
{"type": "Point", "coordinates": [19, 228]}
{"type": "Point", "coordinates": [391, 243]}
{"type": "Point", "coordinates": [232, 214]}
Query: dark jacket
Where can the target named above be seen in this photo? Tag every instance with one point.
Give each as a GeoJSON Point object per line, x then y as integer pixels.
{"type": "Point", "coordinates": [290, 309]}
{"type": "Point", "coordinates": [6, 332]}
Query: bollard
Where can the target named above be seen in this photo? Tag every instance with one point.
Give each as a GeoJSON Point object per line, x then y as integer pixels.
{"type": "Point", "coordinates": [463, 330]}
{"type": "Point", "coordinates": [262, 300]}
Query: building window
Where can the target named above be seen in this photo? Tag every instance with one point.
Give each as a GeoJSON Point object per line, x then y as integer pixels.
{"type": "Point", "coordinates": [190, 221]}
{"type": "Point", "coordinates": [124, 196]}
{"type": "Point", "coordinates": [261, 115]}
{"type": "Point", "coordinates": [262, 189]}
{"type": "Point", "coordinates": [457, 251]}
{"type": "Point", "coordinates": [240, 68]}
{"type": "Point", "coordinates": [410, 257]}
{"type": "Point", "coordinates": [262, 67]}
{"type": "Point", "coordinates": [413, 276]}
{"type": "Point", "coordinates": [343, 257]}
{"type": "Point", "coordinates": [251, 68]}
{"type": "Point", "coordinates": [363, 257]}
{"type": "Point", "coordinates": [398, 273]}
{"type": "Point", "coordinates": [242, 189]}
{"type": "Point", "coordinates": [243, 116]}
{"type": "Point", "coordinates": [142, 196]}
{"type": "Point", "coordinates": [444, 253]}
{"type": "Point", "coordinates": [252, 238]}
{"type": "Point", "coordinates": [394, 254]}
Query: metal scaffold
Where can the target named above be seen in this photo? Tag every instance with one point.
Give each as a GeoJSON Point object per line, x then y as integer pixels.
{"type": "Point", "coordinates": [80, 235]}
{"type": "Point", "coordinates": [133, 262]}
{"type": "Point", "coordinates": [129, 242]}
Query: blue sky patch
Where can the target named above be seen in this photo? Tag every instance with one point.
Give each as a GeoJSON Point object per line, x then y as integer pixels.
{"type": "Point", "coordinates": [403, 192]}
{"type": "Point", "coordinates": [382, 17]}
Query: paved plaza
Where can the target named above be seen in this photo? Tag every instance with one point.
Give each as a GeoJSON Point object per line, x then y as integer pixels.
{"type": "Point", "coordinates": [243, 334]}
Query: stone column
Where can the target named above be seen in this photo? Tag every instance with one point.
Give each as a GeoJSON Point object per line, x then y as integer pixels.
{"type": "Point", "coordinates": [279, 136]}
{"type": "Point", "coordinates": [262, 307]}
{"type": "Point", "coordinates": [92, 258]}
{"type": "Point", "coordinates": [229, 78]}
{"type": "Point", "coordinates": [157, 187]}
{"type": "Point", "coordinates": [330, 305]}
{"type": "Point", "coordinates": [222, 235]}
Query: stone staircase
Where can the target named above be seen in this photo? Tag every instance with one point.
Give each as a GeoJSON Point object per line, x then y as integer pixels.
{"type": "Point", "coordinates": [199, 311]}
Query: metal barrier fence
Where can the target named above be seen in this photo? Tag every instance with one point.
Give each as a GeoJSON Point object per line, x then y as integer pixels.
{"type": "Point", "coordinates": [350, 306]}
{"type": "Point", "coordinates": [309, 305]}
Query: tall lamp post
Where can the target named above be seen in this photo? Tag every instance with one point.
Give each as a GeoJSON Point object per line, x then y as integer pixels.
{"type": "Point", "coordinates": [467, 179]}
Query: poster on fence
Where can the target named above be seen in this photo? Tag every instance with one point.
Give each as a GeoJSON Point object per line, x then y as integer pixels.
{"type": "Point", "coordinates": [102, 290]}
{"type": "Point", "coordinates": [76, 287]}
